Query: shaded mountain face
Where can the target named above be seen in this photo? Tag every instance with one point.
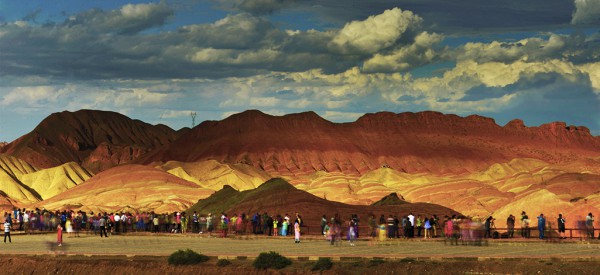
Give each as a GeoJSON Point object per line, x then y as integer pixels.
{"type": "Point", "coordinates": [391, 199]}
{"type": "Point", "coordinates": [278, 197]}
{"type": "Point", "coordinates": [300, 144]}
{"type": "Point", "coordinates": [95, 139]}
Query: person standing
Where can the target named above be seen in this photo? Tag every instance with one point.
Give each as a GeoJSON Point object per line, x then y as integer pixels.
{"type": "Point", "coordinates": [275, 224]}
{"type": "Point", "coordinates": [7, 231]}
{"type": "Point", "coordinates": [489, 223]}
{"type": "Point", "coordinates": [69, 226]}
{"type": "Point", "coordinates": [524, 225]}
{"type": "Point", "coordinates": [209, 224]}
{"type": "Point", "coordinates": [184, 223]}
{"type": "Point", "coordinates": [434, 225]}
{"type": "Point", "coordinates": [59, 234]}
{"type": "Point", "coordinates": [561, 226]}
{"type": "Point", "coordinates": [351, 233]}
{"type": "Point", "coordinates": [323, 224]}
{"type": "Point", "coordinates": [411, 225]}
{"type": "Point", "coordinates": [510, 223]}
{"type": "Point", "coordinates": [427, 227]}
{"type": "Point", "coordinates": [390, 227]}
{"type": "Point", "coordinates": [589, 225]}
{"type": "Point", "coordinates": [541, 225]}
{"type": "Point", "coordinates": [195, 223]}
{"type": "Point", "coordinates": [297, 231]}
{"type": "Point", "coordinates": [156, 224]}
{"type": "Point", "coordinates": [102, 224]}
{"type": "Point", "coordinates": [419, 225]}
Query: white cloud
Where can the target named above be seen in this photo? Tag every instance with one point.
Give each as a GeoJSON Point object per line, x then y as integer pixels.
{"type": "Point", "coordinates": [138, 97]}
{"type": "Point", "coordinates": [176, 113]}
{"type": "Point", "coordinates": [593, 70]}
{"type": "Point", "coordinates": [376, 32]}
{"type": "Point", "coordinates": [32, 96]}
{"type": "Point", "coordinates": [421, 52]}
{"type": "Point", "coordinates": [586, 11]}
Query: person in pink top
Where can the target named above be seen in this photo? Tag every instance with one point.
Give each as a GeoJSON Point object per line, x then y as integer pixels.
{"type": "Point", "coordinates": [449, 230]}
{"type": "Point", "coordinates": [297, 231]}
{"type": "Point", "coordinates": [59, 233]}
{"type": "Point", "coordinates": [240, 222]}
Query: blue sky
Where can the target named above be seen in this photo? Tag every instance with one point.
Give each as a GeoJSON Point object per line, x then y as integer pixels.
{"type": "Point", "coordinates": [157, 61]}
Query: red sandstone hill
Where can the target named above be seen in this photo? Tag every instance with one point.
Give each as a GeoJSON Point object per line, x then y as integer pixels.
{"type": "Point", "coordinates": [303, 143]}
{"type": "Point", "coordinates": [95, 139]}
{"type": "Point", "coordinates": [276, 196]}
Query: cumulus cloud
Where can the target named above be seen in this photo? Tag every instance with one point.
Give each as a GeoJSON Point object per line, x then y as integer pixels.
{"type": "Point", "coordinates": [31, 96]}
{"type": "Point", "coordinates": [586, 12]}
{"type": "Point", "coordinates": [376, 32]}
{"type": "Point", "coordinates": [129, 19]}
{"type": "Point", "coordinates": [576, 47]}
{"type": "Point", "coordinates": [422, 51]}
{"type": "Point", "coordinates": [100, 44]}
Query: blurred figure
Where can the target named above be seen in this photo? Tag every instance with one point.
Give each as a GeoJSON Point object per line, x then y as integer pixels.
{"type": "Point", "coordinates": [352, 233]}
{"type": "Point", "coordinates": [59, 234]}
{"type": "Point", "coordinates": [323, 224]}
{"type": "Point", "coordinates": [589, 225]}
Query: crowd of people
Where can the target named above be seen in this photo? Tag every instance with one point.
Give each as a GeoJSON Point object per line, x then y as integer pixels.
{"type": "Point", "coordinates": [453, 228]}
{"type": "Point", "coordinates": [105, 224]}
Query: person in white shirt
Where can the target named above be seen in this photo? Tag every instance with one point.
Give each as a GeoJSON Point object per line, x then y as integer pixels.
{"type": "Point", "coordinates": [124, 222]}
{"type": "Point", "coordinates": [26, 221]}
{"type": "Point", "coordinates": [7, 232]}
{"type": "Point", "coordinates": [117, 223]}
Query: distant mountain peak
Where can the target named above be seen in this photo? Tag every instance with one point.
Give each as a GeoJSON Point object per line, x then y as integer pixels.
{"type": "Point", "coordinates": [391, 199]}
{"type": "Point", "coordinates": [95, 139]}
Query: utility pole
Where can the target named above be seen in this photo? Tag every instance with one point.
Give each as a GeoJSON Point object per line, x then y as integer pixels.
{"type": "Point", "coordinates": [193, 115]}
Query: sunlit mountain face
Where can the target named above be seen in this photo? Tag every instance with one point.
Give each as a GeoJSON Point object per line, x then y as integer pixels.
{"type": "Point", "coordinates": [468, 164]}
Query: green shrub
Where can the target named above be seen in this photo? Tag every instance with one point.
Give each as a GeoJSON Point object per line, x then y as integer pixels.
{"type": "Point", "coordinates": [223, 262]}
{"type": "Point", "coordinates": [186, 257]}
{"type": "Point", "coordinates": [322, 264]}
{"type": "Point", "coordinates": [375, 262]}
{"type": "Point", "coordinates": [271, 260]}
{"type": "Point", "coordinates": [407, 260]}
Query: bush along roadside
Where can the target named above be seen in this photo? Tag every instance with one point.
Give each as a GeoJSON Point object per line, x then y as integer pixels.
{"type": "Point", "coordinates": [271, 260]}
{"type": "Point", "coordinates": [186, 257]}
{"type": "Point", "coordinates": [322, 264]}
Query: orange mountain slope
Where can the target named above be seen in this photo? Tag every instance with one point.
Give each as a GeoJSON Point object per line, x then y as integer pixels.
{"type": "Point", "coordinates": [95, 139]}
{"type": "Point", "coordinates": [130, 187]}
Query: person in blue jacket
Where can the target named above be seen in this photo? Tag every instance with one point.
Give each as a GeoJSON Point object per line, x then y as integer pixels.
{"type": "Point", "coordinates": [541, 225]}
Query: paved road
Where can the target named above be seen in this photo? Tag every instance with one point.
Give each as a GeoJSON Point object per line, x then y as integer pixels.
{"type": "Point", "coordinates": [314, 247]}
